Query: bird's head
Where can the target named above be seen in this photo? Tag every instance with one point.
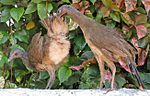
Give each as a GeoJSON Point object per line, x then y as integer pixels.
{"type": "Point", "coordinates": [17, 53]}
{"type": "Point", "coordinates": [63, 10]}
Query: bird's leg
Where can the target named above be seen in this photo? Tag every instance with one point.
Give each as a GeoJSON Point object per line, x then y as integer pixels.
{"type": "Point", "coordinates": [112, 67]}
{"type": "Point", "coordinates": [102, 70]}
{"type": "Point", "coordinates": [51, 80]}
{"type": "Point", "coordinates": [51, 72]}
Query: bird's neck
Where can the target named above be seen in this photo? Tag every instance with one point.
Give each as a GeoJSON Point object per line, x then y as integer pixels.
{"type": "Point", "coordinates": [25, 59]}
{"type": "Point", "coordinates": [78, 17]}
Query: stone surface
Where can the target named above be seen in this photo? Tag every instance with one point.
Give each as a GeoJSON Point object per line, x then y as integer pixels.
{"type": "Point", "coordinates": [79, 92]}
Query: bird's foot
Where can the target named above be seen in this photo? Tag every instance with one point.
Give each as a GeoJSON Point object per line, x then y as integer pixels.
{"type": "Point", "coordinates": [48, 86]}
{"type": "Point", "coordinates": [108, 90]}
{"type": "Point", "coordinates": [141, 88]}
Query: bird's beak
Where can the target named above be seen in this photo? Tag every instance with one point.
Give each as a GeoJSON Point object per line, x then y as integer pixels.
{"type": "Point", "coordinates": [10, 59]}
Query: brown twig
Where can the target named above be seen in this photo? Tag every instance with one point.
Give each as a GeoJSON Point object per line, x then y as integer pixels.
{"type": "Point", "coordinates": [88, 62]}
{"type": "Point", "coordinates": [11, 73]}
{"type": "Point", "coordinates": [46, 7]}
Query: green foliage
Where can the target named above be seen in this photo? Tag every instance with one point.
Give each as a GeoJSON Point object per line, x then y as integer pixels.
{"type": "Point", "coordinates": [93, 1]}
{"type": "Point", "coordinates": [120, 81]}
{"type": "Point", "coordinates": [90, 78]}
{"type": "Point", "coordinates": [107, 3]}
{"type": "Point", "coordinates": [3, 59]}
{"type": "Point", "coordinates": [31, 8]}
{"type": "Point", "coordinates": [5, 15]}
{"type": "Point", "coordinates": [41, 7]}
{"type": "Point", "coordinates": [20, 19]}
{"type": "Point", "coordinates": [115, 16]}
{"type": "Point", "coordinates": [7, 2]}
{"type": "Point", "coordinates": [17, 13]}
{"type": "Point", "coordinates": [3, 37]}
{"type": "Point", "coordinates": [66, 1]}
{"type": "Point", "coordinates": [64, 73]}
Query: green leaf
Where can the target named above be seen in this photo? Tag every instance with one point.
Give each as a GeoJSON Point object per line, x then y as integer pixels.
{"type": "Point", "coordinates": [8, 84]}
{"type": "Point", "coordinates": [110, 4]}
{"type": "Point", "coordinates": [90, 77]}
{"type": "Point", "coordinates": [12, 40]}
{"type": "Point", "coordinates": [120, 81]}
{"type": "Point", "coordinates": [76, 50]}
{"type": "Point", "coordinates": [91, 73]}
{"type": "Point", "coordinates": [66, 1]}
{"type": "Point", "coordinates": [141, 19]}
{"type": "Point", "coordinates": [71, 35]}
{"type": "Point", "coordinates": [107, 3]}
{"type": "Point", "coordinates": [31, 8]}
{"type": "Point", "coordinates": [74, 59]}
{"type": "Point", "coordinates": [80, 42]}
{"type": "Point", "coordinates": [13, 47]}
{"type": "Point", "coordinates": [2, 81]}
{"type": "Point", "coordinates": [145, 78]}
{"type": "Point", "coordinates": [75, 78]}
{"type": "Point", "coordinates": [115, 16]}
{"type": "Point", "coordinates": [99, 16]}
{"type": "Point", "coordinates": [3, 59]}
{"type": "Point", "coordinates": [16, 13]}
{"type": "Point", "coordinates": [18, 25]}
{"type": "Point", "coordinates": [42, 10]}
{"type": "Point", "coordinates": [127, 18]}
{"type": "Point", "coordinates": [3, 37]}
{"type": "Point", "coordinates": [87, 55]}
{"type": "Point", "coordinates": [64, 73]}
{"type": "Point", "coordinates": [124, 19]}
{"type": "Point", "coordinates": [19, 74]}
{"type": "Point", "coordinates": [43, 75]}
{"type": "Point", "coordinates": [5, 15]}
{"type": "Point", "coordinates": [111, 24]}
{"type": "Point", "coordinates": [141, 10]}
{"type": "Point", "coordinates": [93, 1]}
{"type": "Point", "coordinates": [50, 7]}
{"type": "Point", "coordinates": [143, 42]}
{"type": "Point", "coordinates": [3, 27]}
{"type": "Point", "coordinates": [7, 2]}
{"type": "Point", "coordinates": [89, 14]}
{"type": "Point", "coordinates": [21, 36]}
{"type": "Point", "coordinates": [36, 1]}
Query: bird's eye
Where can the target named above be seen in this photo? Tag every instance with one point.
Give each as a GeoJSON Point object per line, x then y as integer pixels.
{"type": "Point", "coordinates": [59, 11]}
{"type": "Point", "coordinates": [16, 54]}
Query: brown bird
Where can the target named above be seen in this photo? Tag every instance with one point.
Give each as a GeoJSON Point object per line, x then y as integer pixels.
{"type": "Point", "coordinates": [46, 52]}
{"type": "Point", "coordinates": [107, 45]}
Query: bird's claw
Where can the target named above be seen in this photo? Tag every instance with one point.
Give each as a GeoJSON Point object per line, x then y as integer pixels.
{"type": "Point", "coordinates": [108, 90]}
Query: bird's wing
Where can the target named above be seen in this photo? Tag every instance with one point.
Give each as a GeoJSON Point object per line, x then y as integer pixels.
{"type": "Point", "coordinates": [35, 49]}
{"type": "Point", "coordinates": [108, 39]}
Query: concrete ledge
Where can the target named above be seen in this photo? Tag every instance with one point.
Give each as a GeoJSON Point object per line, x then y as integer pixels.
{"type": "Point", "coordinates": [80, 92]}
